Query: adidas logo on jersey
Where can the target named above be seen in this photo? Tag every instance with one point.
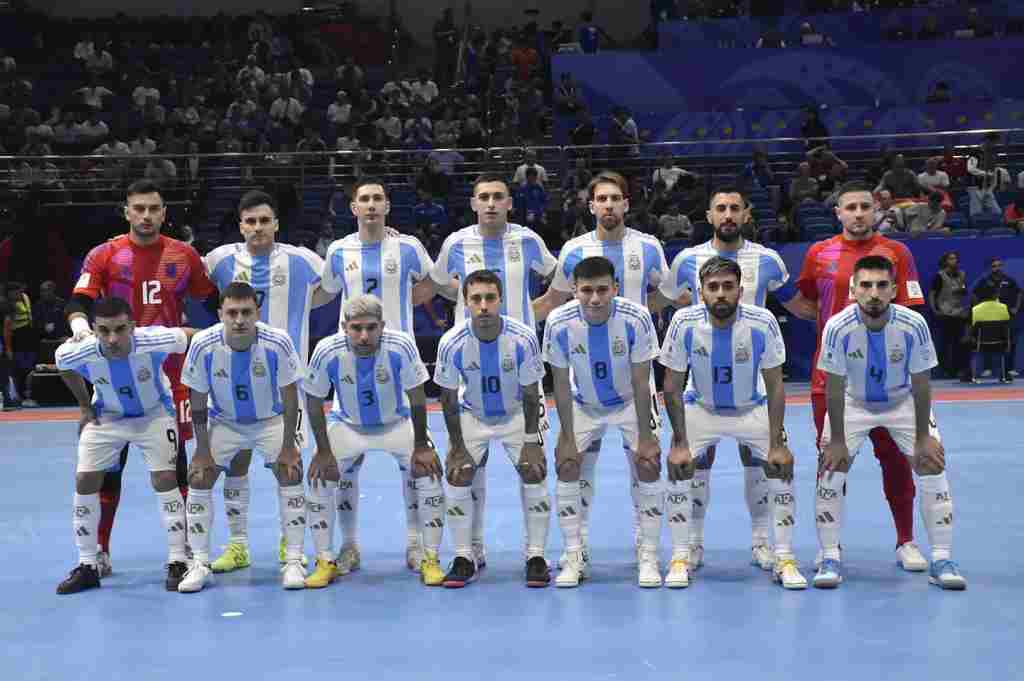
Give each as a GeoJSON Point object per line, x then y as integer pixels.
{"type": "Point", "coordinates": [347, 379]}
{"type": "Point", "coordinates": [101, 381]}
{"type": "Point", "coordinates": [700, 351]}
{"type": "Point", "coordinates": [473, 366]}
{"type": "Point", "coordinates": [856, 354]}
{"type": "Point", "coordinates": [352, 266]}
{"type": "Point", "coordinates": [220, 373]}
{"type": "Point", "coordinates": [474, 260]}
{"type": "Point", "coordinates": [579, 350]}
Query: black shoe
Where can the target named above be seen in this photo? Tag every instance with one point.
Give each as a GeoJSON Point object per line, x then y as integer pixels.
{"type": "Point", "coordinates": [461, 573]}
{"type": "Point", "coordinates": [538, 575]}
{"type": "Point", "coordinates": [1006, 379]}
{"type": "Point", "coordinates": [175, 572]}
{"type": "Point", "coordinates": [81, 578]}
{"type": "Point", "coordinates": [12, 405]}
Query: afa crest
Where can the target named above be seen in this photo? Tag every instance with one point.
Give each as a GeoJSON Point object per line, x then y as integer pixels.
{"type": "Point", "coordinates": [507, 363]}
{"type": "Point", "coordinates": [513, 254]}
{"type": "Point", "coordinates": [278, 278]}
{"type": "Point", "coordinates": [896, 355]}
{"type": "Point", "coordinates": [144, 374]}
{"type": "Point", "coordinates": [381, 374]}
{"type": "Point", "coordinates": [742, 354]}
{"type": "Point", "coordinates": [391, 266]}
{"type": "Point", "coordinates": [634, 262]}
{"type": "Point", "coordinates": [258, 369]}
{"type": "Point", "coordinates": [619, 347]}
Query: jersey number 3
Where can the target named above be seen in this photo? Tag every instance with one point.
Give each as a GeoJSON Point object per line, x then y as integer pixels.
{"type": "Point", "coordinates": [151, 292]}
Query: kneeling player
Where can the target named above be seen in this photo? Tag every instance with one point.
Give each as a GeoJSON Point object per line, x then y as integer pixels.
{"type": "Point", "coordinates": [877, 356]}
{"type": "Point", "coordinates": [250, 372]}
{"type": "Point", "coordinates": [131, 403]}
{"type": "Point", "coordinates": [379, 404]}
{"type": "Point", "coordinates": [493, 363]}
{"type": "Point", "coordinates": [607, 343]}
{"type": "Point", "coordinates": [735, 355]}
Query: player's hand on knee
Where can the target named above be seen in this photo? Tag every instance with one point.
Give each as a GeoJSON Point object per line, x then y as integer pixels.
{"type": "Point", "coordinates": [929, 456]}
{"type": "Point", "coordinates": [202, 470]}
{"type": "Point", "coordinates": [680, 463]}
{"type": "Point", "coordinates": [425, 463]}
{"type": "Point", "coordinates": [323, 468]}
{"type": "Point", "coordinates": [780, 464]}
{"type": "Point", "coordinates": [567, 459]}
{"type": "Point", "coordinates": [88, 416]}
{"type": "Point", "coordinates": [835, 457]}
{"type": "Point", "coordinates": [459, 467]}
{"type": "Point", "coordinates": [532, 465]}
{"type": "Point", "coordinates": [289, 465]}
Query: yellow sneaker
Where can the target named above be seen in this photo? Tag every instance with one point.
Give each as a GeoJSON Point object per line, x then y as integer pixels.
{"type": "Point", "coordinates": [325, 573]}
{"type": "Point", "coordinates": [431, 573]}
{"type": "Point", "coordinates": [235, 557]}
{"type": "Point", "coordinates": [282, 554]}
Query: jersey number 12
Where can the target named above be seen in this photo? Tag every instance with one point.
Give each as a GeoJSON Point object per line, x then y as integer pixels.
{"type": "Point", "coordinates": [151, 292]}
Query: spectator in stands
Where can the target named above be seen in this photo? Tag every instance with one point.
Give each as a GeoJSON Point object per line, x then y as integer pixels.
{"type": "Point", "coordinates": [668, 172]}
{"type": "Point", "coordinates": [900, 180]}
{"type": "Point", "coordinates": [65, 133]}
{"type": "Point", "coordinates": [430, 215]}
{"type": "Point", "coordinates": [824, 163]}
{"type": "Point", "coordinates": [940, 94]}
{"type": "Point", "coordinates": [287, 110]}
{"type": "Point", "coordinates": [424, 89]}
{"type": "Point", "coordinates": [349, 76]}
{"type": "Point", "coordinates": [85, 48]}
{"type": "Point", "coordinates": [531, 110]}
{"type": "Point", "coordinates": [583, 132]}
{"type": "Point", "coordinates": [997, 285]}
{"type": "Point", "coordinates": [947, 297]}
{"type": "Point", "coordinates": [803, 187]}
{"type": "Point", "coordinates": [143, 144]}
{"type": "Point", "coordinates": [20, 340]}
{"type": "Point", "coordinates": [447, 160]}
{"type": "Point", "coordinates": [589, 34]}
{"type": "Point", "coordinates": [986, 177]}
{"type": "Point", "coordinates": [251, 73]}
{"type": "Point", "coordinates": [530, 161]}
{"type": "Point", "coordinates": [100, 63]}
{"type": "Point", "coordinates": [48, 314]}
{"type": "Point", "coordinates": [623, 131]}
{"type": "Point", "coordinates": [812, 129]}
{"type": "Point", "coordinates": [531, 201]}
{"type": "Point", "coordinates": [93, 93]}
{"type": "Point", "coordinates": [433, 180]}
{"type": "Point", "coordinates": [161, 171]}
{"type": "Point", "coordinates": [113, 147]}
{"type": "Point", "coordinates": [576, 219]}
{"type": "Point", "coordinates": [568, 98]}
{"type": "Point", "coordinates": [1014, 216]}
{"type": "Point", "coordinates": [771, 39]}
{"type": "Point", "coordinates": [953, 165]}
{"type": "Point", "coordinates": [674, 225]}
{"type": "Point", "coordinates": [143, 92]}
{"type": "Point", "coordinates": [757, 173]}
{"type": "Point", "coordinates": [8, 64]}
{"type": "Point", "coordinates": [391, 126]}
{"type": "Point", "coordinates": [890, 219]}
{"type": "Point", "coordinates": [340, 110]}
{"type": "Point", "coordinates": [418, 131]}
{"type": "Point", "coordinates": [446, 48]}
{"type": "Point", "coordinates": [811, 37]}
{"type": "Point", "coordinates": [311, 142]}
{"type": "Point", "coordinates": [932, 178]}
{"type": "Point", "coordinates": [926, 217]}
{"type": "Point", "coordinates": [472, 135]}
{"type": "Point", "coordinates": [575, 183]}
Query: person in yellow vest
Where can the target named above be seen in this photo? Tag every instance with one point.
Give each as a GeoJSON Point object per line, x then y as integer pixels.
{"type": "Point", "coordinates": [991, 310]}
{"type": "Point", "coordinates": [21, 343]}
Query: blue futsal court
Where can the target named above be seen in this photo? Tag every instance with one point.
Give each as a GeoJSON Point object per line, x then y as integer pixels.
{"type": "Point", "coordinates": [380, 623]}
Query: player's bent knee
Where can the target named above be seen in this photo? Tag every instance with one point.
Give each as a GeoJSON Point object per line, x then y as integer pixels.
{"type": "Point", "coordinates": [928, 468]}
{"type": "Point", "coordinates": [568, 470]}
{"type": "Point", "coordinates": [89, 482]}
{"type": "Point", "coordinates": [531, 477]}
{"type": "Point", "coordinates": [164, 481]}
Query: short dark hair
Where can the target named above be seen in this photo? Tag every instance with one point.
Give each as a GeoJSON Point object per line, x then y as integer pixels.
{"type": "Point", "coordinates": [593, 267]}
{"type": "Point", "coordinates": [142, 187]}
{"type": "Point", "coordinates": [729, 189]}
{"type": "Point", "coordinates": [489, 177]}
{"type": "Point", "coordinates": [946, 256]}
{"type": "Point", "coordinates": [607, 177]}
{"type": "Point", "coordinates": [365, 180]}
{"type": "Point", "coordinates": [111, 307]}
{"type": "Point", "coordinates": [481, 277]}
{"type": "Point", "coordinates": [851, 187]}
{"type": "Point", "coordinates": [720, 265]}
{"type": "Point", "coordinates": [239, 290]}
{"type": "Point", "coordinates": [875, 262]}
{"type": "Point", "coordinates": [254, 198]}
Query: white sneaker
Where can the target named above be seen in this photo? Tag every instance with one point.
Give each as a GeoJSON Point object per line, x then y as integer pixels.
{"type": "Point", "coordinates": [565, 556]}
{"type": "Point", "coordinates": [413, 554]}
{"type": "Point", "coordinates": [348, 560]}
{"type": "Point", "coordinates": [293, 576]}
{"type": "Point", "coordinates": [198, 576]}
{"type": "Point", "coordinates": [910, 559]}
{"type": "Point", "coordinates": [762, 557]}
{"type": "Point", "coordinates": [103, 564]}
{"type": "Point", "coordinates": [648, 572]}
{"type": "Point", "coordinates": [573, 571]}
{"type": "Point", "coordinates": [787, 574]}
{"type": "Point", "coordinates": [480, 555]}
{"type": "Point", "coordinates": [29, 404]}
{"type": "Point", "coordinates": [678, 576]}
{"type": "Point", "coordinates": [696, 556]}
{"type": "Point", "coordinates": [819, 556]}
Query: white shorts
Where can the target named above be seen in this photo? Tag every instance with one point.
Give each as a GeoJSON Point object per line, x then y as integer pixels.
{"type": "Point", "coordinates": [705, 428]}
{"type": "Point", "coordinates": [228, 437]}
{"type": "Point", "coordinates": [350, 442]}
{"type": "Point", "coordinates": [590, 424]}
{"type": "Point", "coordinates": [99, 446]}
{"type": "Point", "coordinates": [898, 419]}
{"type": "Point", "coordinates": [478, 434]}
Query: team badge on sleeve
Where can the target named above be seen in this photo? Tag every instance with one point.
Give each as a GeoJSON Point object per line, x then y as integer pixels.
{"type": "Point", "coordinates": [914, 289]}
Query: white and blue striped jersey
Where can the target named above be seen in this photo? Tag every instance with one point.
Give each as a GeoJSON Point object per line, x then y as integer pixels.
{"type": "Point", "coordinates": [489, 375]}
{"type": "Point", "coordinates": [725, 364]}
{"type": "Point", "coordinates": [368, 391]}
{"type": "Point", "coordinates": [129, 387]}
{"type": "Point", "coordinates": [387, 269]}
{"type": "Point", "coordinates": [512, 257]}
{"type": "Point", "coordinates": [600, 357]}
{"type": "Point", "coordinates": [763, 272]}
{"type": "Point", "coordinates": [877, 364]}
{"type": "Point", "coordinates": [243, 386]}
{"type": "Point", "coordinates": [285, 280]}
{"type": "Point", "coordinates": [639, 262]}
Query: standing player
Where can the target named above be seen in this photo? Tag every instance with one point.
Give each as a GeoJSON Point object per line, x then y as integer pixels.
{"type": "Point", "coordinates": [639, 263]}
{"type": "Point", "coordinates": [379, 404]}
{"type": "Point", "coordinates": [878, 356]}
{"type": "Point", "coordinates": [131, 402]}
{"type": "Point", "coordinates": [763, 272]}
{"type": "Point", "coordinates": [155, 274]}
{"type": "Point", "coordinates": [489, 369]}
{"type": "Point", "coordinates": [826, 278]}
{"type": "Point", "coordinates": [395, 268]}
{"type": "Point", "coordinates": [250, 372]}
{"type": "Point", "coordinates": [287, 283]}
{"type": "Point", "coordinates": [512, 252]}
{"type": "Point", "coordinates": [600, 349]}
{"type": "Point", "coordinates": [734, 355]}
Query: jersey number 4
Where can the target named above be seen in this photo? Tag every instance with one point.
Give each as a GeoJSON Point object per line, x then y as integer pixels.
{"type": "Point", "coordinates": [151, 292]}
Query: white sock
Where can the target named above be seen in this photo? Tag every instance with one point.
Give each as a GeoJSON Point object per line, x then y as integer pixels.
{"type": "Point", "coordinates": [85, 520]}
{"type": "Point", "coordinates": [679, 510]}
{"type": "Point", "coordinates": [293, 516]}
{"type": "Point", "coordinates": [700, 495]}
{"type": "Point", "coordinates": [236, 507]}
{"type": "Point", "coordinates": [651, 496]}
{"type": "Point", "coordinates": [409, 495]}
{"type": "Point", "coordinates": [783, 505]}
{"type": "Point", "coordinates": [755, 491]}
{"type": "Point", "coordinates": [199, 514]}
{"type": "Point", "coordinates": [569, 500]}
{"type": "Point", "coordinates": [320, 518]}
{"type": "Point", "coordinates": [828, 512]}
{"type": "Point", "coordinates": [348, 504]}
{"type": "Point", "coordinates": [588, 487]}
{"type": "Point", "coordinates": [429, 511]}
{"type": "Point", "coordinates": [479, 494]}
{"type": "Point", "coordinates": [172, 515]}
{"type": "Point", "coordinates": [460, 519]}
{"type": "Point", "coordinates": [536, 515]}
{"type": "Point", "coordinates": [936, 507]}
